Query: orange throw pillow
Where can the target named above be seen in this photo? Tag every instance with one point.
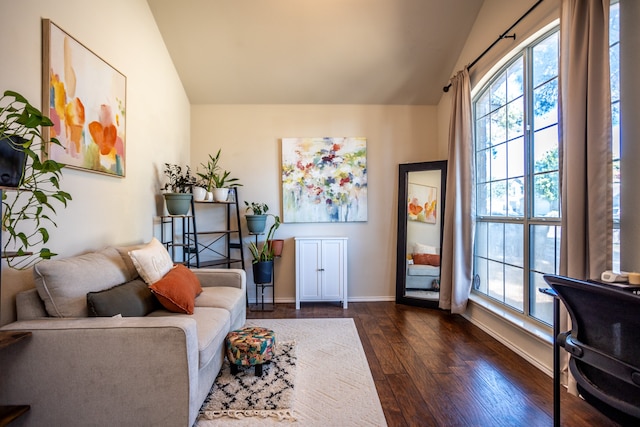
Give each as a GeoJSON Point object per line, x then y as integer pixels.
{"type": "Point", "coordinates": [177, 290]}
{"type": "Point", "coordinates": [427, 259]}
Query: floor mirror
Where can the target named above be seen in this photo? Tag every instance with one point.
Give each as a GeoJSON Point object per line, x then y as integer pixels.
{"type": "Point", "coordinates": [421, 195]}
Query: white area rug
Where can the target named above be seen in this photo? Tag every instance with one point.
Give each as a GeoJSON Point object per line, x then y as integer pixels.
{"type": "Point", "coordinates": [333, 386]}
{"type": "Point", "coordinates": [247, 395]}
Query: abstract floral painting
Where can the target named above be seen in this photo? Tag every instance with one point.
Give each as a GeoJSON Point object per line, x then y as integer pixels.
{"type": "Point", "coordinates": [324, 179]}
{"type": "Point", "coordinates": [85, 98]}
{"type": "Point", "coordinates": [423, 203]}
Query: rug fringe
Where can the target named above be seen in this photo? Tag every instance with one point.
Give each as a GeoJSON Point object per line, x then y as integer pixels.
{"type": "Point", "coordinates": [281, 415]}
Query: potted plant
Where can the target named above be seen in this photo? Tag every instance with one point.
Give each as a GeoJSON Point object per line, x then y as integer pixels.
{"type": "Point", "coordinates": [178, 189]}
{"type": "Point", "coordinates": [257, 220]}
{"type": "Point", "coordinates": [264, 255]}
{"type": "Point", "coordinates": [214, 182]}
{"type": "Point", "coordinates": [210, 170]}
{"type": "Point", "coordinates": [34, 183]}
{"type": "Point", "coordinates": [222, 184]}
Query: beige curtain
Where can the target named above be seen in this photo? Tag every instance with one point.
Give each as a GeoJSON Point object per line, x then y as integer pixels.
{"type": "Point", "coordinates": [457, 261]}
{"type": "Point", "coordinates": [585, 140]}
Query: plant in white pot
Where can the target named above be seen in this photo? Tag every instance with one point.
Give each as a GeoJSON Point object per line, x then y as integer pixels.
{"type": "Point", "coordinates": [178, 189]}
{"type": "Point", "coordinates": [223, 184]}
{"type": "Point", "coordinates": [215, 182]}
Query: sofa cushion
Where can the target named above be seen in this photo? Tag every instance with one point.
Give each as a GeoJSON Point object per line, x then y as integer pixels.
{"type": "Point", "coordinates": [177, 290]}
{"type": "Point", "coordinates": [231, 299]}
{"type": "Point", "coordinates": [152, 261]}
{"type": "Point", "coordinates": [426, 259]}
{"type": "Point", "coordinates": [63, 284]}
{"type": "Point", "coordinates": [212, 326]}
{"type": "Point", "coordinates": [132, 299]}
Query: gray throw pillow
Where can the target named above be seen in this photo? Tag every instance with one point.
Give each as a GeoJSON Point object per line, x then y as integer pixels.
{"type": "Point", "coordinates": [131, 299]}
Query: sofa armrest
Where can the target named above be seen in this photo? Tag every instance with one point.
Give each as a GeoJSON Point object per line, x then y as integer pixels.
{"type": "Point", "coordinates": [231, 277]}
{"type": "Point", "coordinates": [130, 371]}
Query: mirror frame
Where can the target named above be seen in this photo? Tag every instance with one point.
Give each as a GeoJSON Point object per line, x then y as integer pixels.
{"type": "Point", "coordinates": [403, 194]}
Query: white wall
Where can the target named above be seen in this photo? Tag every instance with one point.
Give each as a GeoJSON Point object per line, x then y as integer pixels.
{"type": "Point", "coordinates": [105, 210]}
{"type": "Point", "coordinates": [250, 139]}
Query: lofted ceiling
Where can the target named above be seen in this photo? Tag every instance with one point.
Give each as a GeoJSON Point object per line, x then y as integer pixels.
{"type": "Point", "coordinates": [314, 51]}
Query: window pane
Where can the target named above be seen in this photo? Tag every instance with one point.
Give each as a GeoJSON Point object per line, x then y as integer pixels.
{"type": "Point", "coordinates": [545, 150]}
{"type": "Point", "coordinates": [545, 60]}
{"type": "Point", "coordinates": [545, 248]}
{"type": "Point", "coordinates": [481, 239]}
{"type": "Point", "coordinates": [483, 166]}
{"type": "Point", "coordinates": [495, 280]}
{"type": "Point", "coordinates": [515, 153]}
{"type": "Point", "coordinates": [499, 92]}
{"type": "Point", "coordinates": [614, 61]}
{"type": "Point", "coordinates": [615, 132]}
{"type": "Point", "coordinates": [515, 80]}
{"type": "Point", "coordinates": [614, 23]}
{"type": "Point", "coordinates": [499, 198]}
{"type": "Point", "coordinates": [483, 135]}
{"type": "Point", "coordinates": [516, 197]}
{"type": "Point", "coordinates": [515, 118]}
{"type": "Point", "coordinates": [514, 290]}
{"type": "Point", "coordinates": [545, 202]}
{"type": "Point", "coordinates": [495, 238]}
{"type": "Point", "coordinates": [483, 105]}
{"type": "Point", "coordinates": [545, 105]}
{"type": "Point", "coordinates": [499, 126]}
{"type": "Point", "coordinates": [514, 245]}
{"type": "Point", "coordinates": [483, 200]}
{"type": "Point", "coordinates": [482, 270]}
{"type": "Point", "coordinates": [541, 304]}
{"type": "Point", "coordinates": [499, 162]}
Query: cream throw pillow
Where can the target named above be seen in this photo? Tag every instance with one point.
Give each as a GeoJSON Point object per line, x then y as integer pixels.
{"type": "Point", "coordinates": [419, 248]}
{"type": "Point", "coordinates": [152, 261]}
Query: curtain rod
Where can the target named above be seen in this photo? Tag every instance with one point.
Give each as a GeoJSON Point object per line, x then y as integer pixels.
{"type": "Point", "coordinates": [500, 37]}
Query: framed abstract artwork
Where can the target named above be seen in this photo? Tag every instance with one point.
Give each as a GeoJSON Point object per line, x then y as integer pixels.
{"type": "Point", "coordinates": [85, 97]}
{"type": "Point", "coordinates": [422, 203]}
{"type": "Point", "coordinates": [324, 179]}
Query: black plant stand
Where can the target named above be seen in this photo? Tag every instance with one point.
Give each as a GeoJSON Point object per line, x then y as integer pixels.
{"type": "Point", "coordinates": [271, 284]}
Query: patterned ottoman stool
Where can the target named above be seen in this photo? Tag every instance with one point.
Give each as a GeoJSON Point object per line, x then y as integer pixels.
{"type": "Point", "coordinates": [250, 346]}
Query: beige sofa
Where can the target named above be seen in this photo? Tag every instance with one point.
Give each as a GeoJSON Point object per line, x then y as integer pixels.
{"type": "Point", "coordinates": [154, 370]}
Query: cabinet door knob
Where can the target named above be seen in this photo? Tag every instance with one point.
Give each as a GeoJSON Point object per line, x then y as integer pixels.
{"type": "Point", "coordinates": [321, 269]}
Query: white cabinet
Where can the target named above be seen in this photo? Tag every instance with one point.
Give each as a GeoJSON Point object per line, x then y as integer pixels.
{"type": "Point", "coordinates": [321, 269]}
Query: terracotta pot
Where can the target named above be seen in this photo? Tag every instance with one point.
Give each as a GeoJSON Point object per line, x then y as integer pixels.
{"type": "Point", "coordinates": [276, 246]}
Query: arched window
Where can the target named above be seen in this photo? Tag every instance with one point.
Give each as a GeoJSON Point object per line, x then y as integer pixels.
{"type": "Point", "coordinates": [517, 196]}
{"type": "Point", "coordinates": [516, 150]}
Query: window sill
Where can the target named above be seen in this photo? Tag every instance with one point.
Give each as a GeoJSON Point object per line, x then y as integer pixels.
{"type": "Point", "coordinates": [530, 327]}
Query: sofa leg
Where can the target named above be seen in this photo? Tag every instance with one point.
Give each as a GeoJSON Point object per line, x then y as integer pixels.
{"type": "Point", "coordinates": [234, 368]}
{"type": "Point", "coordinates": [259, 370]}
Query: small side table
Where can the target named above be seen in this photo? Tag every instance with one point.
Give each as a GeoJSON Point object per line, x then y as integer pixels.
{"type": "Point", "coordinates": [251, 346]}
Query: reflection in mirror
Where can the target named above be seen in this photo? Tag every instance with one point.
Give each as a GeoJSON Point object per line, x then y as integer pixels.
{"type": "Point", "coordinates": [420, 213]}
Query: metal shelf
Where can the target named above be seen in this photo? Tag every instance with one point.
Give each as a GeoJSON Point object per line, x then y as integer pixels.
{"type": "Point", "coordinates": [194, 249]}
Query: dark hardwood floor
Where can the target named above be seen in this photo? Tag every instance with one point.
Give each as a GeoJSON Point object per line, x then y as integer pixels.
{"type": "Point", "coordinates": [432, 368]}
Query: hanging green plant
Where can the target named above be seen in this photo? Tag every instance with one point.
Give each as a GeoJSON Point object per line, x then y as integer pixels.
{"type": "Point", "coordinates": [28, 209]}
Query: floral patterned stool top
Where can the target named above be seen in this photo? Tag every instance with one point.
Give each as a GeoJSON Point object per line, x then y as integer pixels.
{"type": "Point", "coordinates": [251, 346]}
